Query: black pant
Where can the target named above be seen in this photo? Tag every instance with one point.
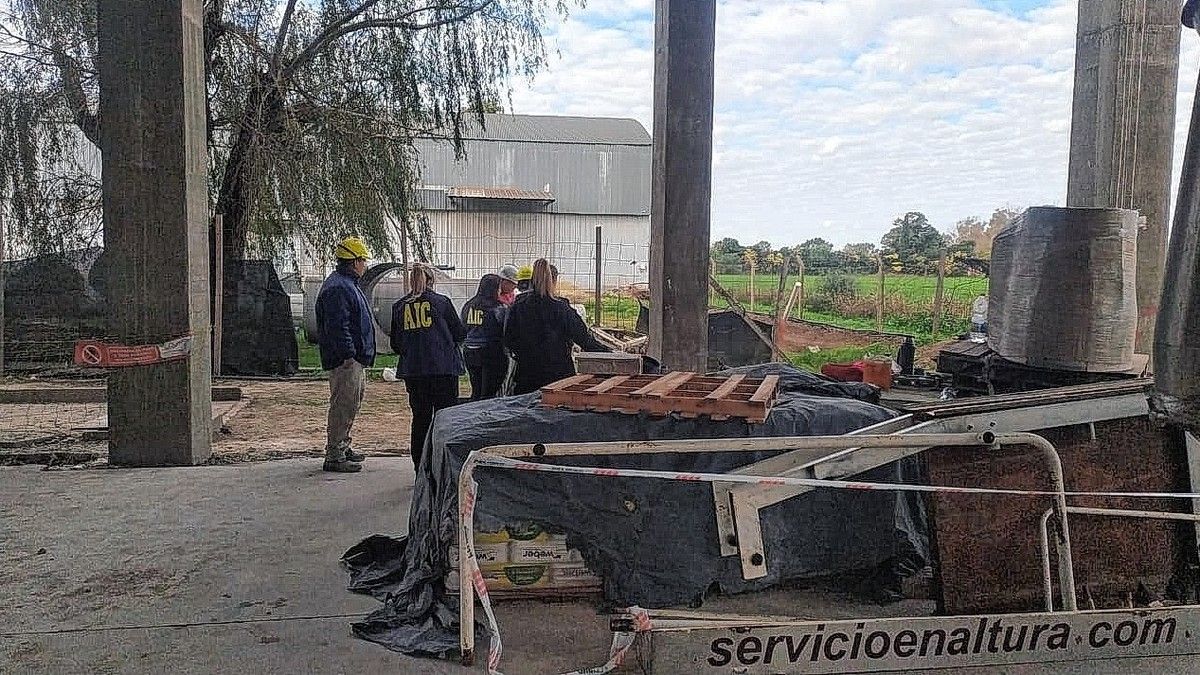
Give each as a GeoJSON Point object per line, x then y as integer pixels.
{"type": "Point", "coordinates": [487, 368]}
{"type": "Point", "coordinates": [427, 395]}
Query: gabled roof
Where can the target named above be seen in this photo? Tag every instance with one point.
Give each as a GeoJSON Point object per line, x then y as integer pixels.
{"type": "Point", "coordinates": [558, 129]}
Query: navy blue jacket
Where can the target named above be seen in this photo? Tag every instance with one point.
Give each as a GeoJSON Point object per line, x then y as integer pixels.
{"type": "Point", "coordinates": [345, 328]}
{"type": "Point", "coordinates": [484, 328]}
{"type": "Point", "coordinates": [426, 333]}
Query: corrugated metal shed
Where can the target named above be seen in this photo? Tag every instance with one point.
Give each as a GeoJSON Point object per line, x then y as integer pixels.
{"type": "Point", "coordinates": [592, 165]}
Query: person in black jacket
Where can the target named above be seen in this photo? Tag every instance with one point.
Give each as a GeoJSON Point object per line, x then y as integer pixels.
{"type": "Point", "coordinates": [539, 331]}
{"type": "Point", "coordinates": [483, 350]}
{"type": "Point", "coordinates": [426, 333]}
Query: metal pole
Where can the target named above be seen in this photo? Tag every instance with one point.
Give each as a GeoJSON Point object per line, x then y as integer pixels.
{"type": "Point", "coordinates": [218, 319]}
{"type": "Point", "coordinates": [599, 276]}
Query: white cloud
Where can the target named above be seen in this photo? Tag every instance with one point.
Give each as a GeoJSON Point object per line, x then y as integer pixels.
{"type": "Point", "coordinates": [834, 117]}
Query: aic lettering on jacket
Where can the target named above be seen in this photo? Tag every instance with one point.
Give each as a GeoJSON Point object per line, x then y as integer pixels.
{"type": "Point", "coordinates": [418, 315]}
{"type": "Point", "coordinates": [475, 317]}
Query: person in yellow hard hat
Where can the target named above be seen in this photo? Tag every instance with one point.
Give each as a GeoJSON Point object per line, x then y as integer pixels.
{"type": "Point", "coordinates": [346, 339]}
{"type": "Point", "coordinates": [524, 278]}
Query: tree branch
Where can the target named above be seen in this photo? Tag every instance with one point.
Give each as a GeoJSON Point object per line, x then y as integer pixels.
{"type": "Point", "coordinates": [76, 98]}
{"type": "Point", "coordinates": [342, 28]}
{"type": "Point", "coordinates": [284, 26]}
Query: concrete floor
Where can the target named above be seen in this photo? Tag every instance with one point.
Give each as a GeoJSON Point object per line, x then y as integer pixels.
{"type": "Point", "coordinates": [90, 558]}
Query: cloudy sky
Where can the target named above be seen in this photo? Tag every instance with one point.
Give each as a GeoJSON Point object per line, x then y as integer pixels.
{"type": "Point", "coordinates": [834, 117]}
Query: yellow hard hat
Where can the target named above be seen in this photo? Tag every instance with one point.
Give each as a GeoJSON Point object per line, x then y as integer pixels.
{"type": "Point", "coordinates": [352, 248]}
{"type": "Point", "coordinates": [525, 273]}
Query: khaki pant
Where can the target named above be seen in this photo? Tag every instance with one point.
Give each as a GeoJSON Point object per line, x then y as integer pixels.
{"type": "Point", "coordinates": [347, 385]}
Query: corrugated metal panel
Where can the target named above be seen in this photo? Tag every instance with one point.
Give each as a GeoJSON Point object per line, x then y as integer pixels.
{"type": "Point", "coordinates": [479, 242]}
{"type": "Point", "coordinates": [585, 179]}
{"type": "Point", "coordinates": [559, 129]}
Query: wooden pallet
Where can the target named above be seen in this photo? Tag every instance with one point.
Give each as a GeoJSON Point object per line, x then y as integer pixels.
{"type": "Point", "coordinates": [683, 393]}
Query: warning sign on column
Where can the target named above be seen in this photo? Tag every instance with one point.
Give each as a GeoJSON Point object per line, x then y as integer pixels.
{"type": "Point", "coordinates": [99, 354]}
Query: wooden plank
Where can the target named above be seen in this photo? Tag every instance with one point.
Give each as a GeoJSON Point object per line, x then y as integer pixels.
{"type": "Point", "coordinates": [55, 394]}
{"type": "Point", "coordinates": [730, 385]}
{"type": "Point", "coordinates": [663, 392]}
{"type": "Point", "coordinates": [607, 384]}
{"type": "Point", "coordinates": [766, 390]}
{"type": "Point", "coordinates": [665, 382]}
{"type": "Point", "coordinates": [567, 382]}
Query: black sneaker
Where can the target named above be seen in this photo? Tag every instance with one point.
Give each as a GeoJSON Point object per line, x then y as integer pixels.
{"type": "Point", "coordinates": [341, 467]}
{"type": "Point", "coordinates": [352, 456]}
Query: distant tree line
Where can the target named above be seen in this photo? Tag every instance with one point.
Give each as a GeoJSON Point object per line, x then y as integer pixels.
{"type": "Point", "coordinates": [912, 246]}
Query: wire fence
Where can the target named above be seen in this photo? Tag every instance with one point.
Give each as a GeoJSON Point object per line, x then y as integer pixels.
{"type": "Point", "coordinates": [926, 307]}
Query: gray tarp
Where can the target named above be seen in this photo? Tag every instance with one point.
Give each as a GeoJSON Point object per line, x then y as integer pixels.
{"type": "Point", "coordinates": [663, 551]}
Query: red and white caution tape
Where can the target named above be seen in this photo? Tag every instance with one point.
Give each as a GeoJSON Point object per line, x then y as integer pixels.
{"type": "Point", "coordinates": [496, 462]}
{"type": "Point", "coordinates": [622, 643]}
{"type": "Point", "coordinates": [466, 519]}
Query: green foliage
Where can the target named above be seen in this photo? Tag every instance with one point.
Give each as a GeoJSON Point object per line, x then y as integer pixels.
{"type": "Point", "coordinates": [813, 360]}
{"type": "Point", "coordinates": [312, 109]}
{"type": "Point", "coordinates": [913, 246]}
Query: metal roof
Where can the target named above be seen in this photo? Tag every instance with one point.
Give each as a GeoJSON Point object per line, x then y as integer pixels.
{"type": "Point", "coordinates": [558, 129]}
{"type": "Point", "coordinates": [589, 165]}
{"type": "Point", "coordinates": [511, 193]}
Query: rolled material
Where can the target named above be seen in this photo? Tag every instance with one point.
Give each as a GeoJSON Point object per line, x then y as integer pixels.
{"type": "Point", "coordinates": [1063, 289]}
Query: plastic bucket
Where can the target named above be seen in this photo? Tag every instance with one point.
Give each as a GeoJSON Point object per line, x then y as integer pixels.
{"type": "Point", "coordinates": [878, 372]}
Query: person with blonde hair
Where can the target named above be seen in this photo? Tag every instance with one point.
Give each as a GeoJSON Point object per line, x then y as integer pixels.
{"type": "Point", "coordinates": [540, 330]}
{"type": "Point", "coordinates": [426, 335]}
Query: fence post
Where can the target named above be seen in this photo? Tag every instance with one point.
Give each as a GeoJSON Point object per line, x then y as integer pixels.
{"type": "Point", "coordinates": [218, 317]}
{"type": "Point", "coordinates": [939, 294]}
{"type": "Point", "coordinates": [712, 272]}
{"type": "Point", "coordinates": [753, 265]}
{"type": "Point", "coordinates": [800, 286]}
{"type": "Point", "coordinates": [599, 262]}
{"type": "Point", "coordinates": [879, 304]}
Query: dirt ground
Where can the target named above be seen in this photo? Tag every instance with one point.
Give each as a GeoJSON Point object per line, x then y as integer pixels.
{"type": "Point", "coordinates": [287, 419]}
{"type": "Point", "coordinates": [800, 336]}
{"type": "Point", "coordinates": [275, 420]}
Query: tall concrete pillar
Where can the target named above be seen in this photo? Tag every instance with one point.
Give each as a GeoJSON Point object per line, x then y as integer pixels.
{"type": "Point", "coordinates": [684, 47]}
{"type": "Point", "coordinates": [1123, 127]}
{"type": "Point", "coordinates": [156, 225]}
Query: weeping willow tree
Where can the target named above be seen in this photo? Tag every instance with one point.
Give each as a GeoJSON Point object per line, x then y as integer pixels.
{"type": "Point", "coordinates": [312, 109]}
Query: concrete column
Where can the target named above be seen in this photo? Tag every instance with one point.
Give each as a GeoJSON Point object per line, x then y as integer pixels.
{"type": "Point", "coordinates": [684, 46]}
{"type": "Point", "coordinates": [156, 225]}
{"type": "Point", "coordinates": [1123, 127]}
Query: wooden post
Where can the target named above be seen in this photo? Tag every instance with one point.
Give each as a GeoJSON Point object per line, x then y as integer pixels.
{"type": "Point", "coordinates": [879, 306]}
{"type": "Point", "coordinates": [800, 298]}
{"type": "Point", "coordinates": [218, 319]}
{"type": "Point", "coordinates": [712, 272]}
{"type": "Point", "coordinates": [939, 294]}
{"type": "Point", "coordinates": [753, 266]}
{"type": "Point", "coordinates": [599, 277]}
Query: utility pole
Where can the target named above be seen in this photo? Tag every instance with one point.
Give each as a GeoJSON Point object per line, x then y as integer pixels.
{"type": "Point", "coordinates": [1123, 127]}
{"type": "Point", "coordinates": [156, 225]}
{"type": "Point", "coordinates": [684, 46]}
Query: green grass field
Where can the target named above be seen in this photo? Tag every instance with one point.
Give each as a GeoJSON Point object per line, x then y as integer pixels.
{"type": "Point", "coordinates": [908, 302]}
